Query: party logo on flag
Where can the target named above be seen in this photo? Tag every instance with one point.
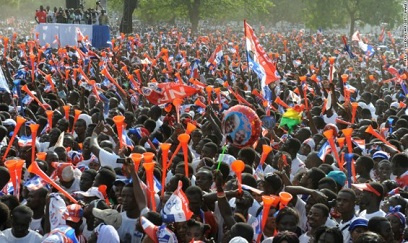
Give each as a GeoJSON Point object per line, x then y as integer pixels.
{"type": "Point", "coordinates": [176, 208]}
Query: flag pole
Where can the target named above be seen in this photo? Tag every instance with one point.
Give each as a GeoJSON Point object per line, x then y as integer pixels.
{"type": "Point", "coordinates": [246, 52]}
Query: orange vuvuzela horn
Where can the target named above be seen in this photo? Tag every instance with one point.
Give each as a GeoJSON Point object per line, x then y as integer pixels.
{"type": "Point", "coordinates": [41, 155]}
{"type": "Point", "coordinates": [19, 122]}
{"type": "Point", "coordinates": [344, 77]}
{"type": "Point", "coordinates": [177, 103]}
{"type": "Point", "coordinates": [340, 121]}
{"type": "Point", "coordinates": [35, 169]}
{"type": "Point", "coordinates": [238, 166]}
{"type": "Point", "coordinates": [183, 139]}
{"type": "Point", "coordinates": [119, 120]}
{"type": "Point", "coordinates": [49, 79]}
{"type": "Point", "coordinates": [285, 198]}
{"type": "Point", "coordinates": [49, 114]}
{"type": "Point", "coordinates": [209, 90]}
{"type": "Point", "coordinates": [347, 134]}
{"type": "Point", "coordinates": [34, 131]}
{"type": "Point", "coordinates": [106, 73]}
{"type": "Point", "coordinates": [67, 109]}
{"type": "Point", "coordinates": [266, 149]}
{"type": "Point", "coordinates": [165, 147]}
{"type": "Point", "coordinates": [136, 158]}
{"type": "Point", "coordinates": [28, 91]}
{"type": "Point", "coordinates": [354, 107]}
{"type": "Point", "coordinates": [76, 116]}
{"type": "Point", "coordinates": [371, 130]}
{"type": "Point", "coordinates": [199, 103]}
{"type": "Point", "coordinates": [190, 128]}
{"type": "Point", "coordinates": [268, 202]}
{"type": "Point", "coordinates": [330, 137]}
{"type": "Point", "coordinates": [218, 93]}
{"type": "Point", "coordinates": [15, 167]}
{"type": "Point", "coordinates": [149, 167]}
{"type": "Point", "coordinates": [281, 103]}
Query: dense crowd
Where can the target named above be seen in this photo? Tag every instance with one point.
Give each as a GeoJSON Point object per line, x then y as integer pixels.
{"type": "Point", "coordinates": [136, 142]}
{"type": "Point", "coordinates": [72, 16]}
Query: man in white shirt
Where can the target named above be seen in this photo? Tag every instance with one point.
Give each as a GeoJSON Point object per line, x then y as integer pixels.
{"type": "Point", "coordinates": [36, 202]}
{"type": "Point", "coordinates": [19, 232]}
{"type": "Point", "coordinates": [370, 199]}
{"type": "Point", "coordinates": [345, 203]}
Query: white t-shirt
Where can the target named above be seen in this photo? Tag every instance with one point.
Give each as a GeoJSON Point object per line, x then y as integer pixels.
{"type": "Point", "coordinates": [379, 213]}
{"type": "Point", "coordinates": [127, 230]}
{"type": "Point", "coordinates": [344, 228]}
{"type": "Point", "coordinates": [304, 238]}
{"type": "Point", "coordinates": [36, 225]}
{"type": "Point", "coordinates": [331, 119]}
{"type": "Point", "coordinates": [31, 237]}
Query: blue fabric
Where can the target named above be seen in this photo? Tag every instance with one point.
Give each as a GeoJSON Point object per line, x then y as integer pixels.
{"type": "Point", "coordinates": [100, 36]}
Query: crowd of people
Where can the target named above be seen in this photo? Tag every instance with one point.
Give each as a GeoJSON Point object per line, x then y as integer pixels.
{"type": "Point", "coordinates": [72, 16]}
{"type": "Point", "coordinates": [93, 141]}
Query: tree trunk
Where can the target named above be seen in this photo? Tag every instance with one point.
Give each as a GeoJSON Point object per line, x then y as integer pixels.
{"type": "Point", "coordinates": [126, 23]}
{"type": "Point", "coordinates": [194, 14]}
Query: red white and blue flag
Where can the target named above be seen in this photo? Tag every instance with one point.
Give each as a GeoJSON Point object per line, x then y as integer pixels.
{"type": "Point", "coordinates": [324, 150]}
{"type": "Point", "coordinates": [259, 61]}
{"type": "Point", "coordinates": [215, 58]}
{"type": "Point", "coordinates": [176, 208]}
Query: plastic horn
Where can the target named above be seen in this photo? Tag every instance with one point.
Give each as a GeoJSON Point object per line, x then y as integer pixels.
{"type": "Point", "coordinates": [119, 120]}
{"type": "Point", "coordinates": [285, 198]}
{"type": "Point", "coordinates": [41, 155]}
{"type": "Point", "coordinates": [148, 157]}
{"type": "Point", "coordinates": [179, 79]}
{"type": "Point", "coordinates": [137, 72]}
{"type": "Point", "coordinates": [349, 159]}
{"type": "Point", "coordinates": [67, 74]}
{"type": "Point", "coordinates": [67, 108]}
{"type": "Point", "coordinates": [136, 158]}
{"type": "Point", "coordinates": [34, 131]}
{"type": "Point", "coordinates": [165, 147]}
{"type": "Point", "coordinates": [35, 169]}
{"type": "Point", "coordinates": [314, 78]}
{"type": "Point", "coordinates": [49, 114]}
{"type": "Point", "coordinates": [125, 69]}
{"type": "Point", "coordinates": [149, 167]}
{"type": "Point", "coordinates": [281, 103]}
{"type": "Point", "coordinates": [347, 134]}
{"type": "Point", "coordinates": [238, 166]}
{"type": "Point", "coordinates": [49, 79]}
{"type": "Point", "coordinates": [340, 121]}
{"type": "Point", "coordinates": [218, 93]}
{"type": "Point", "coordinates": [268, 202]}
{"type": "Point", "coordinates": [375, 134]}
{"type": "Point", "coordinates": [105, 73]}
{"type": "Point", "coordinates": [177, 102]}
{"type": "Point", "coordinates": [183, 139]}
{"type": "Point", "coordinates": [305, 97]}
{"type": "Point", "coordinates": [266, 149]}
{"type": "Point", "coordinates": [76, 115]}
{"type": "Point", "coordinates": [5, 43]}
{"type": "Point", "coordinates": [354, 106]}
{"type": "Point", "coordinates": [344, 77]}
{"type": "Point", "coordinates": [28, 91]}
{"type": "Point", "coordinates": [330, 137]}
{"type": "Point", "coordinates": [341, 141]}
{"type": "Point", "coordinates": [200, 104]}
{"type": "Point", "coordinates": [209, 89]}
{"type": "Point", "coordinates": [331, 60]}
{"type": "Point", "coordinates": [15, 168]}
{"type": "Point", "coordinates": [20, 121]}
{"type": "Point", "coordinates": [190, 128]}
{"type": "Point", "coordinates": [32, 60]}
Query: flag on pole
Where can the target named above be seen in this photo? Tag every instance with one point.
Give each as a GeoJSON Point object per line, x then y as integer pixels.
{"type": "Point", "coordinates": [215, 58]}
{"type": "Point", "coordinates": [259, 61]}
{"type": "Point", "coordinates": [176, 208]}
{"type": "Point", "coordinates": [3, 82]}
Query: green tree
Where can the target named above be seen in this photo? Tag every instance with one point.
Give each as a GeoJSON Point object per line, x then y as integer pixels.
{"type": "Point", "coordinates": [328, 13]}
